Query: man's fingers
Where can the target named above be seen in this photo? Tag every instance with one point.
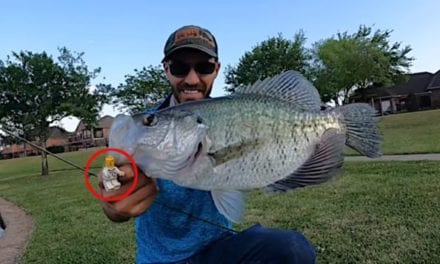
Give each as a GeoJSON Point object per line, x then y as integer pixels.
{"type": "Point", "coordinates": [142, 181]}
{"type": "Point", "coordinates": [129, 173]}
{"type": "Point", "coordinates": [128, 176]}
{"type": "Point", "coordinates": [138, 201]}
{"type": "Point", "coordinates": [145, 192]}
{"type": "Point", "coordinates": [143, 202]}
{"type": "Point", "coordinates": [100, 183]}
{"type": "Point", "coordinates": [141, 207]}
{"type": "Point", "coordinates": [123, 189]}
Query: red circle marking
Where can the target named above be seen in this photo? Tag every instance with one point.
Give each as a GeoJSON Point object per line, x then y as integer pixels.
{"type": "Point", "coordinates": [89, 185]}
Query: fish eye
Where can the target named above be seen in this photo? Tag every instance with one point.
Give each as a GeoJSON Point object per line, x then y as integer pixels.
{"type": "Point", "coordinates": [199, 120]}
{"type": "Point", "coordinates": [150, 120]}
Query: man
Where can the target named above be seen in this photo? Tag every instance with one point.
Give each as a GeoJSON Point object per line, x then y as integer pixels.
{"type": "Point", "coordinates": [165, 235]}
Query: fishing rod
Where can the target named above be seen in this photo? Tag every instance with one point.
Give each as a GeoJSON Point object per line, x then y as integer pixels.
{"type": "Point", "coordinates": [93, 174]}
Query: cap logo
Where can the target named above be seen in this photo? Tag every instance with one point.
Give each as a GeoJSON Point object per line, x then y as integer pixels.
{"type": "Point", "coordinates": [192, 33]}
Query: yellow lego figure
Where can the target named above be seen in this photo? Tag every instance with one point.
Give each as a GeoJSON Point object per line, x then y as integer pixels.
{"type": "Point", "coordinates": [110, 174]}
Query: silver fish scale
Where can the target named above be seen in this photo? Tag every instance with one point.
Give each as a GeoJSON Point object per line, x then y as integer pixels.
{"type": "Point", "coordinates": [271, 139]}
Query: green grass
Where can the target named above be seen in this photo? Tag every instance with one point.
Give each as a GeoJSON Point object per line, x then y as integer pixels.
{"type": "Point", "coordinates": [70, 225]}
{"type": "Point", "coordinates": [416, 132]}
{"type": "Point", "coordinates": [377, 212]}
{"type": "Point", "coordinates": [410, 133]}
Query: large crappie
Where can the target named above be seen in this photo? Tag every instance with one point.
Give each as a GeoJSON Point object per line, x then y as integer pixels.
{"type": "Point", "coordinates": [271, 134]}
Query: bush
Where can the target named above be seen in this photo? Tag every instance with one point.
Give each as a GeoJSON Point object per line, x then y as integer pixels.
{"type": "Point", "coordinates": [56, 149]}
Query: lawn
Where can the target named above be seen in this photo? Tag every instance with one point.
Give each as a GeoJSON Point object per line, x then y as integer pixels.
{"type": "Point", "coordinates": [416, 132]}
{"type": "Point", "coordinates": [376, 212]}
{"type": "Point", "coordinates": [410, 133]}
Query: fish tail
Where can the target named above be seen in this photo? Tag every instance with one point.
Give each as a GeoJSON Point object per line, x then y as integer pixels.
{"type": "Point", "coordinates": [363, 133]}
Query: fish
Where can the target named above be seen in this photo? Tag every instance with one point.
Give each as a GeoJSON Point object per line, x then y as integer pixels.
{"type": "Point", "coordinates": [271, 135]}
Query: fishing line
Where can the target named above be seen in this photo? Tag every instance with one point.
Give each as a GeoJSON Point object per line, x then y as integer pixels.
{"type": "Point", "coordinates": [195, 217]}
{"type": "Point", "coordinates": [93, 174]}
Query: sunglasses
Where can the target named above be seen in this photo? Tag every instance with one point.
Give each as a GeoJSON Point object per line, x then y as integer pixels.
{"type": "Point", "coordinates": [180, 69]}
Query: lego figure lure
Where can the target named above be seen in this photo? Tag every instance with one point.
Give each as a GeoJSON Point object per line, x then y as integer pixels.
{"type": "Point", "coordinates": [110, 174]}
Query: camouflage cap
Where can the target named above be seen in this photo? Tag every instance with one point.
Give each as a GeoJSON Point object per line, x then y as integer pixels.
{"type": "Point", "coordinates": [193, 37]}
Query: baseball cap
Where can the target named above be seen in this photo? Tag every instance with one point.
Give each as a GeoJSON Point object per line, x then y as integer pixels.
{"type": "Point", "coordinates": [191, 36]}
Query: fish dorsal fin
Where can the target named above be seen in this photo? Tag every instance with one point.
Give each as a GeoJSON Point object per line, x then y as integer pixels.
{"type": "Point", "coordinates": [290, 86]}
{"type": "Point", "coordinates": [229, 203]}
{"type": "Point", "coordinates": [324, 163]}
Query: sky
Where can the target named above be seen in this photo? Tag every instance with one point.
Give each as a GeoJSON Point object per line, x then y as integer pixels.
{"type": "Point", "coordinates": [120, 36]}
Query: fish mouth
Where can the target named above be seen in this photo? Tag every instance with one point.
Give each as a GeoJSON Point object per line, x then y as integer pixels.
{"type": "Point", "coordinates": [199, 150]}
{"type": "Point", "coordinates": [183, 166]}
{"type": "Point", "coordinates": [194, 157]}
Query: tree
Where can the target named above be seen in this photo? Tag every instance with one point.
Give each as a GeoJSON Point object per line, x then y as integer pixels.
{"type": "Point", "coordinates": [144, 89]}
{"type": "Point", "coordinates": [358, 61]}
{"type": "Point", "coordinates": [269, 58]}
{"type": "Point", "coordinates": [36, 91]}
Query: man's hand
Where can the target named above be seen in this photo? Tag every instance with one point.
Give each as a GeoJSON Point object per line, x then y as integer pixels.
{"type": "Point", "coordinates": [133, 205]}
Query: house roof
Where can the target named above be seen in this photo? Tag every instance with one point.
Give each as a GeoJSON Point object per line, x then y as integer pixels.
{"type": "Point", "coordinates": [435, 82]}
{"type": "Point", "coordinates": [105, 122]}
{"type": "Point", "coordinates": [58, 132]}
{"type": "Point", "coordinates": [419, 82]}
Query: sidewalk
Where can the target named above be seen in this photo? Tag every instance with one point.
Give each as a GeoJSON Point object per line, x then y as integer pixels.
{"type": "Point", "coordinates": [409, 157]}
{"type": "Point", "coordinates": [18, 230]}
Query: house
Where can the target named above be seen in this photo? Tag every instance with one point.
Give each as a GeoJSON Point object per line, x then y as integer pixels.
{"type": "Point", "coordinates": [57, 141]}
{"type": "Point", "coordinates": [91, 137]}
{"type": "Point", "coordinates": [60, 140]}
{"type": "Point", "coordinates": [421, 91]}
{"type": "Point", "coordinates": [9, 151]}
{"type": "Point", "coordinates": [58, 137]}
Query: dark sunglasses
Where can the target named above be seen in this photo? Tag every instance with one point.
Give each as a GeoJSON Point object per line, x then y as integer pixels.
{"type": "Point", "coordinates": [180, 69]}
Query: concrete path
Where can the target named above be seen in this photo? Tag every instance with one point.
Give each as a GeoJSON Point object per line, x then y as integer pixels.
{"type": "Point", "coordinates": [17, 233]}
{"type": "Point", "coordinates": [408, 157]}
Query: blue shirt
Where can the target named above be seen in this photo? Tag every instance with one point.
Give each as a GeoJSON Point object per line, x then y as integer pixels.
{"type": "Point", "coordinates": [165, 235]}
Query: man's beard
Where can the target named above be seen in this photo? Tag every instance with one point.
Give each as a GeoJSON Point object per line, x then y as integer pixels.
{"type": "Point", "coordinates": [200, 88]}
